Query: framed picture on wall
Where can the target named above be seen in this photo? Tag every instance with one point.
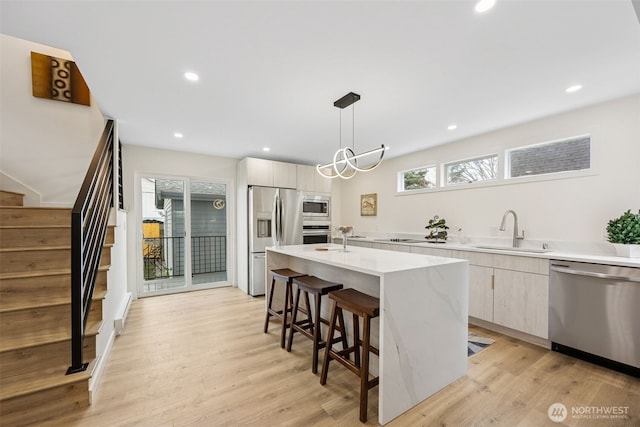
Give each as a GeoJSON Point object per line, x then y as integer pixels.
{"type": "Point", "coordinates": [369, 204]}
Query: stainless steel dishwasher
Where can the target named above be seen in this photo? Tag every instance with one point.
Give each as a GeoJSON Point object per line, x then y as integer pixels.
{"type": "Point", "coordinates": [594, 313]}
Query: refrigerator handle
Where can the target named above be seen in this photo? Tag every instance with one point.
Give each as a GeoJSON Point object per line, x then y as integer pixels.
{"type": "Point", "coordinates": [277, 220]}
{"type": "Point", "coordinates": [280, 221]}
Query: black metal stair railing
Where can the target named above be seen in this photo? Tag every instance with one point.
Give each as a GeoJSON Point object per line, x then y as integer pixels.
{"type": "Point", "coordinates": [89, 221]}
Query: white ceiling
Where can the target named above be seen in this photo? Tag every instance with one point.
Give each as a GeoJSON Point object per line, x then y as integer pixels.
{"type": "Point", "coordinates": [270, 71]}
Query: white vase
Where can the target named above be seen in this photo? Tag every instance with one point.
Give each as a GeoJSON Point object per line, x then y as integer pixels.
{"type": "Point", "coordinates": [627, 251]}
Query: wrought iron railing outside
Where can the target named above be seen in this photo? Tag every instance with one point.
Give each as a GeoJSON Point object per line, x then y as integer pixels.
{"type": "Point", "coordinates": [163, 257]}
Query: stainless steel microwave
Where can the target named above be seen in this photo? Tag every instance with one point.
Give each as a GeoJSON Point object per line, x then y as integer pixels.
{"type": "Point", "coordinates": [315, 206]}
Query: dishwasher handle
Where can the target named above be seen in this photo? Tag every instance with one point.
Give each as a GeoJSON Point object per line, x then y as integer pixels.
{"type": "Point", "coordinates": [566, 270]}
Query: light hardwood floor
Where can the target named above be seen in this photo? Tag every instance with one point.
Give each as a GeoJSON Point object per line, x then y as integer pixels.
{"type": "Point", "coordinates": [201, 359]}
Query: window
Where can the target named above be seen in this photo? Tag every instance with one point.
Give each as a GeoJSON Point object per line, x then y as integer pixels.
{"type": "Point", "coordinates": [559, 156]}
{"type": "Point", "coordinates": [417, 179]}
{"type": "Point", "coordinates": [474, 170]}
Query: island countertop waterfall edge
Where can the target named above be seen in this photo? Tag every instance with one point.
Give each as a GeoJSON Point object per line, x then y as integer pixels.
{"type": "Point", "coordinates": [424, 302]}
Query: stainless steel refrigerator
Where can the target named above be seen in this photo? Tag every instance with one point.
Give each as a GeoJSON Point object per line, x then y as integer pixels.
{"type": "Point", "coordinates": [275, 219]}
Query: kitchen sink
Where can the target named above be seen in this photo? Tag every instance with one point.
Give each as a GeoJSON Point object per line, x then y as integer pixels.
{"type": "Point", "coordinates": [509, 248]}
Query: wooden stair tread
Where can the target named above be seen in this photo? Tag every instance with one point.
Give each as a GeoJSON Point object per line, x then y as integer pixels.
{"type": "Point", "coordinates": [39, 208]}
{"type": "Point", "coordinates": [14, 227]}
{"type": "Point", "coordinates": [36, 248]}
{"type": "Point", "coordinates": [44, 248]}
{"type": "Point", "coordinates": [32, 382]}
{"type": "Point", "coordinates": [15, 343]}
{"type": "Point", "coordinates": [42, 273]}
{"type": "Point", "coordinates": [39, 301]}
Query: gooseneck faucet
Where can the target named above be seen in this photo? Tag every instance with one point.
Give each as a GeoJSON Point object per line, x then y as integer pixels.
{"type": "Point", "coordinates": [516, 238]}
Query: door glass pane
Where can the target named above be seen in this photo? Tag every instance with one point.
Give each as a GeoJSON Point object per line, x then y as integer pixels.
{"type": "Point", "coordinates": [163, 234]}
{"type": "Point", "coordinates": [208, 232]}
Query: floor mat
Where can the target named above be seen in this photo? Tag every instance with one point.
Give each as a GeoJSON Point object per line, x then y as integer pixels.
{"type": "Point", "coordinates": [477, 343]}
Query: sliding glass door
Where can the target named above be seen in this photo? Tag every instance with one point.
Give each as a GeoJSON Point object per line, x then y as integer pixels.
{"type": "Point", "coordinates": [208, 232]}
{"type": "Point", "coordinates": [183, 233]}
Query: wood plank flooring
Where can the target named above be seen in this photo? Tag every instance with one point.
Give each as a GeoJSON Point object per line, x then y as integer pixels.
{"type": "Point", "coordinates": [201, 359]}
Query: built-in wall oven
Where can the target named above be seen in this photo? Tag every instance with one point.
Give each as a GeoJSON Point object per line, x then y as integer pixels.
{"type": "Point", "coordinates": [316, 232]}
{"type": "Point", "coordinates": [316, 207]}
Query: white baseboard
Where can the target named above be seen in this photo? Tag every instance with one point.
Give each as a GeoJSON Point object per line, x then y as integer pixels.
{"type": "Point", "coordinates": [118, 323]}
{"type": "Point", "coordinates": [101, 361]}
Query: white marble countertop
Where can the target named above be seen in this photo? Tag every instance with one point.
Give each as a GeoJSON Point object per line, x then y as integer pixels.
{"type": "Point", "coordinates": [364, 260]}
{"type": "Point", "coordinates": [550, 254]}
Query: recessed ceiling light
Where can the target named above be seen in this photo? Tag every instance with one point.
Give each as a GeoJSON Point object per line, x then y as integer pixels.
{"type": "Point", "coordinates": [573, 88]}
{"type": "Point", "coordinates": [192, 77]}
{"type": "Point", "coordinates": [484, 5]}
{"type": "Point", "coordinates": [266, 149]}
{"type": "Point", "coordinates": [452, 127]}
{"type": "Point", "coordinates": [178, 135]}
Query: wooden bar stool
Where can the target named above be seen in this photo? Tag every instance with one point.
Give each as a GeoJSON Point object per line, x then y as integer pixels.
{"type": "Point", "coordinates": [285, 276]}
{"type": "Point", "coordinates": [309, 327]}
{"type": "Point", "coordinates": [360, 305]}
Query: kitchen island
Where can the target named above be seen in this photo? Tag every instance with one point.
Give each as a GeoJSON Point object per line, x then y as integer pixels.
{"type": "Point", "coordinates": [422, 329]}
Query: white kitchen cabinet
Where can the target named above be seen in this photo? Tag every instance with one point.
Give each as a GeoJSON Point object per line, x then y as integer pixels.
{"type": "Point", "coordinates": [259, 172]}
{"type": "Point", "coordinates": [481, 292]}
{"type": "Point", "coordinates": [309, 180]}
{"type": "Point", "coordinates": [511, 291]}
{"type": "Point", "coordinates": [284, 175]}
{"type": "Point", "coordinates": [508, 290]}
{"type": "Point", "coordinates": [269, 173]}
{"type": "Point", "coordinates": [521, 301]}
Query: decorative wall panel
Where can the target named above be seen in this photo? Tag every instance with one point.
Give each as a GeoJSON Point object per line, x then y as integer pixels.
{"type": "Point", "coordinates": [58, 79]}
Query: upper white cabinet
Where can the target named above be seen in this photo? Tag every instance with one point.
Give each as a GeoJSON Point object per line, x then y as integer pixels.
{"type": "Point", "coordinates": [284, 175]}
{"type": "Point", "coordinates": [310, 180]}
{"type": "Point", "coordinates": [269, 173]}
{"type": "Point", "coordinates": [259, 172]}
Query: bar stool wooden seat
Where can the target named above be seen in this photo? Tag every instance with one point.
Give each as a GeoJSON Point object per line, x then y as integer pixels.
{"type": "Point", "coordinates": [366, 307]}
{"type": "Point", "coordinates": [285, 276]}
{"type": "Point", "coordinates": [311, 328]}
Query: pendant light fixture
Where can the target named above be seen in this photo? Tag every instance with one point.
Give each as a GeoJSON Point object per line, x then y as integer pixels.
{"type": "Point", "coordinates": [345, 160]}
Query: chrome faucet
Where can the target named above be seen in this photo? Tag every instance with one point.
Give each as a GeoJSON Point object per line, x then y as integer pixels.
{"type": "Point", "coordinates": [516, 238]}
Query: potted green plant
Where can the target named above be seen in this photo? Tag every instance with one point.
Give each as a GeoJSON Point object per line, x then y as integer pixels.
{"type": "Point", "coordinates": [437, 230]}
{"type": "Point", "coordinates": [624, 233]}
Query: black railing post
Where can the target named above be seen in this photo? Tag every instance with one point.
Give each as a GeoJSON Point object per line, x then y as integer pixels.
{"type": "Point", "coordinates": [77, 326]}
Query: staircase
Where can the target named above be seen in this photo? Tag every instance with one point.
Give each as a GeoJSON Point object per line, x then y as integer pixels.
{"type": "Point", "coordinates": [35, 314]}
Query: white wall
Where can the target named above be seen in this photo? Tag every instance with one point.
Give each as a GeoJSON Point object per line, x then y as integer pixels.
{"type": "Point", "coordinates": [574, 209]}
{"type": "Point", "coordinates": [41, 138]}
{"type": "Point", "coordinates": [143, 160]}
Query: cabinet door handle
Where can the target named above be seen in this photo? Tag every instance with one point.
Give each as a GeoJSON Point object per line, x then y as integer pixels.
{"type": "Point", "coordinates": [493, 281]}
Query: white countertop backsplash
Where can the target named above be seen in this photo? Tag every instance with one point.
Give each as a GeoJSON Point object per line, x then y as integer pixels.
{"type": "Point", "coordinates": [593, 252]}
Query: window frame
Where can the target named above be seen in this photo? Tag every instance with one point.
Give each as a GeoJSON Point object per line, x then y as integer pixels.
{"type": "Point", "coordinates": [548, 175]}
{"type": "Point", "coordinates": [446, 165]}
{"type": "Point", "coordinates": [400, 175]}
